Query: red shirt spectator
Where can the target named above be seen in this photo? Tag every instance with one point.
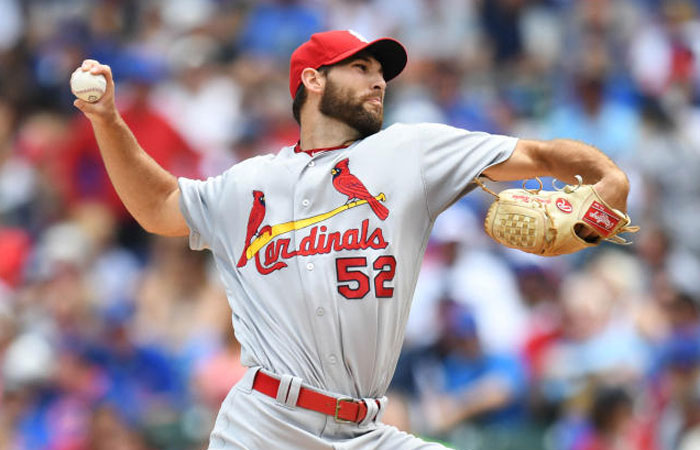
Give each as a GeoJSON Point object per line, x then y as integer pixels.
{"type": "Point", "coordinates": [88, 177]}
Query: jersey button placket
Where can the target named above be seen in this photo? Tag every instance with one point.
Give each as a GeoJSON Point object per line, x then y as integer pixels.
{"type": "Point", "coordinates": [306, 200]}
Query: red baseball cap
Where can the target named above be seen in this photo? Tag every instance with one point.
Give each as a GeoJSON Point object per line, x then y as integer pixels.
{"type": "Point", "coordinates": [331, 47]}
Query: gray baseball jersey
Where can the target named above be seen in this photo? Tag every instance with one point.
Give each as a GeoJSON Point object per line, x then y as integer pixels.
{"type": "Point", "coordinates": [320, 253]}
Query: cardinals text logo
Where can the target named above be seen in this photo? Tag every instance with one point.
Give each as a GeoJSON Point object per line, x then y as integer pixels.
{"type": "Point", "coordinates": [264, 238]}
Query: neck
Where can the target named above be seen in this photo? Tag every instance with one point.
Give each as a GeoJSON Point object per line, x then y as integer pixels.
{"type": "Point", "coordinates": [324, 132]}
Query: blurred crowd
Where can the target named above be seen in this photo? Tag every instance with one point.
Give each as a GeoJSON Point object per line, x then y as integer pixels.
{"type": "Point", "coordinates": [114, 339]}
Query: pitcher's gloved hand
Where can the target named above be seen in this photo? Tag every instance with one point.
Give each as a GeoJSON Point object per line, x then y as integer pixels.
{"type": "Point", "coordinates": [551, 223]}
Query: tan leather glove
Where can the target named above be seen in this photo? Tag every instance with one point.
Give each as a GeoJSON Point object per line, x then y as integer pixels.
{"type": "Point", "coordinates": [546, 222]}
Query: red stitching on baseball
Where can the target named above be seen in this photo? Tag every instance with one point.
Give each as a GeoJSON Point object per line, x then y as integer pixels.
{"type": "Point", "coordinates": [87, 90]}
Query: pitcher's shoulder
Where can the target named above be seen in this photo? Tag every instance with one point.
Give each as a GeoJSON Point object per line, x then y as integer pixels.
{"type": "Point", "coordinates": [397, 128]}
{"type": "Point", "coordinates": [414, 130]}
{"type": "Point", "coordinates": [252, 162]}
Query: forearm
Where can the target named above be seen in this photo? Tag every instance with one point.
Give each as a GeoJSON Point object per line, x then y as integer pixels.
{"type": "Point", "coordinates": [487, 396]}
{"type": "Point", "coordinates": [482, 400]}
{"type": "Point", "coordinates": [142, 184]}
{"type": "Point", "coordinates": [565, 158]}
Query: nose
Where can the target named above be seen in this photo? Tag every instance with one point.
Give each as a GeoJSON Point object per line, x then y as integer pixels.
{"type": "Point", "coordinates": [379, 82]}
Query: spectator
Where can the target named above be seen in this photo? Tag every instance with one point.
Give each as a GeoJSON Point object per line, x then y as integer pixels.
{"type": "Point", "coordinates": [274, 28]}
{"type": "Point", "coordinates": [177, 308]}
{"type": "Point", "coordinates": [608, 425]}
{"type": "Point", "coordinates": [108, 431]}
{"type": "Point", "coordinates": [202, 101]}
{"type": "Point", "coordinates": [598, 341]}
{"type": "Point", "coordinates": [144, 386]}
{"type": "Point", "coordinates": [475, 385]}
{"type": "Point", "coordinates": [592, 115]}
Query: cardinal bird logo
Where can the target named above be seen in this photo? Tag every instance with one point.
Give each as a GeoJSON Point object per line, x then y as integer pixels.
{"type": "Point", "coordinates": [348, 184]}
{"type": "Point", "coordinates": [257, 213]}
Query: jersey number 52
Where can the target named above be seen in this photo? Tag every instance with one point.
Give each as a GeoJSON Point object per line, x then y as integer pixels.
{"type": "Point", "coordinates": [353, 282]}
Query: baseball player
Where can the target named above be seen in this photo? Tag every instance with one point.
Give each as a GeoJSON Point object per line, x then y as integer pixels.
{"type": "Point", "coordinates": [319, 246]}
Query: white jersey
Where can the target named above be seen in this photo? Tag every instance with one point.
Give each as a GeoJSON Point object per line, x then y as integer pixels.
{"type": "Point", "coordinates": [320, 254]}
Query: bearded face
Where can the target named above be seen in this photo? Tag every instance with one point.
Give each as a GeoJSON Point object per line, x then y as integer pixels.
{"type": "Point", "coordinates": [343, 104]}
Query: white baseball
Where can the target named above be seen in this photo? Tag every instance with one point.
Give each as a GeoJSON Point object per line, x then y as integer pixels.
{"type": "Point", "coordinates": [87, 86]}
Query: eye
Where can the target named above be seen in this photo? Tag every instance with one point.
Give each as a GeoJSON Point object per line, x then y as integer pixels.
{"type": "Point", "coordinates": [361, 66]}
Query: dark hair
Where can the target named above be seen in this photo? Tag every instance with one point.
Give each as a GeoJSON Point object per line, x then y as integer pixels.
{"type": "Point", "coordinates": [299, 100]}
{"type": "Point", "coordinates": [608, 403]}
{"type": "Point", "coordinates": [301, 95]}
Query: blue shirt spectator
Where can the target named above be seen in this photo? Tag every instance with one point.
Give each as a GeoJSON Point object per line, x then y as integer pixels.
{"type": "Point", "coordinates": [274, 29]}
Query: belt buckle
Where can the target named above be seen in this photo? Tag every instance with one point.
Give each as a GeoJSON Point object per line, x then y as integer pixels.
{"type": "Point", "coordinates": [337, 409]}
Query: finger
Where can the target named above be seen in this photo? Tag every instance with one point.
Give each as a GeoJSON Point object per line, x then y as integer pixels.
{"type": "Point", "coordinates": [103, 69]}
{"type": "Point", "coordinates": [88, 64]}
{"type": "Point", "coordinates": [85, 107]}
{"type": "Point", "coordinates": [80, 104]}
{"type": "Point", "coordinates": [586, 234]}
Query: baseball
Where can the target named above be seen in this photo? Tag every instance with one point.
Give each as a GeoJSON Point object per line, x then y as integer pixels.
{"type": "Point", "coordinates": [87, 86]}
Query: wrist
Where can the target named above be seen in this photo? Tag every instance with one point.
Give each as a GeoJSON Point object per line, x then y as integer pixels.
{"type": "Point", "coordinates": [614, 188]}
{"type": "Point", "coordinates": [617, 178]}
{"type": "Point", "coordinates": [105, 120]}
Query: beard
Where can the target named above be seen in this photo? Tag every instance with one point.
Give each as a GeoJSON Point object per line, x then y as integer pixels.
{"type": "Point", "coordinates": [339, 104]}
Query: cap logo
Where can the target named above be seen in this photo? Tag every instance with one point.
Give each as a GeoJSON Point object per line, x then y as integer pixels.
{"type": "Point", "coordinates": [359, 36]}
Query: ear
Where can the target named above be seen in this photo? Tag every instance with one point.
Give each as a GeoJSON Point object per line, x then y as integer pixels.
{"type": "Point", "coordinates": [314, 81]}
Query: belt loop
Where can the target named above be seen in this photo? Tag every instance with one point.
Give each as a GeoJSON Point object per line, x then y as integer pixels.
{"type": "Point", "coordinates": [246, 383]}
{"type": "Point", "coordinates": [382, 408]}
{"type": "Point", "coordinates": [372, 410]}
{"type": "Point", "coordinates": [285, 381]}
{"type": "Point", "coordinates": [288, 390]}
{"type": "Point", "coordinates": [294, 389]}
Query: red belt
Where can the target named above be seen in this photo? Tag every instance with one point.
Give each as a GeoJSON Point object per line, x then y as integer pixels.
{"type": "Point", "coordinates": [342, 409]}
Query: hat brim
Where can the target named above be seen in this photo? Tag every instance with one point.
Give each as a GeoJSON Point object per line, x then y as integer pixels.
{"type": "Point", "coordinates": [390, 53]}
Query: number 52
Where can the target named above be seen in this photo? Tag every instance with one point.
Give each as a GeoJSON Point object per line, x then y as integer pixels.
{"type": "Point", "coordinates": [353, 282]}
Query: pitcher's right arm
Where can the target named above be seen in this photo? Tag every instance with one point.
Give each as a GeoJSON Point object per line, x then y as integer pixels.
{"type": "Point", "coordinates": [149, 192]}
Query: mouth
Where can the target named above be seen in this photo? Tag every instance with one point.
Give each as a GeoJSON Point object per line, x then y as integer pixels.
{"type": "Point", "coordinates": [375, 101]}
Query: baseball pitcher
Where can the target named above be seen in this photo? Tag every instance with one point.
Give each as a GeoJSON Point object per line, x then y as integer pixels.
{"type": "Point", "coordinates": [319, 246]}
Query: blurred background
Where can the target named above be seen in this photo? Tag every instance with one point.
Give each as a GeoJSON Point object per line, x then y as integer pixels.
{"type": "Point", "coordinates": [114, 339]}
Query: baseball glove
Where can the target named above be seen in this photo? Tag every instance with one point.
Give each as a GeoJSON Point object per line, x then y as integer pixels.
{"type": "Point", "coordinates": [546, 222]}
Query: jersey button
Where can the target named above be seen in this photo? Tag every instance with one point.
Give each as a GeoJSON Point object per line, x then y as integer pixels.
{"type": "Point", "coordinates": [305, 202]}
{"type": "Point", "coordinates": [320, 311]}
{"type": "Point", "coordinates": [311, 164]}
{"type": "Point", "coordinates": [332, 359]}
{"type": "Point", "coordinates": [310, 266]}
